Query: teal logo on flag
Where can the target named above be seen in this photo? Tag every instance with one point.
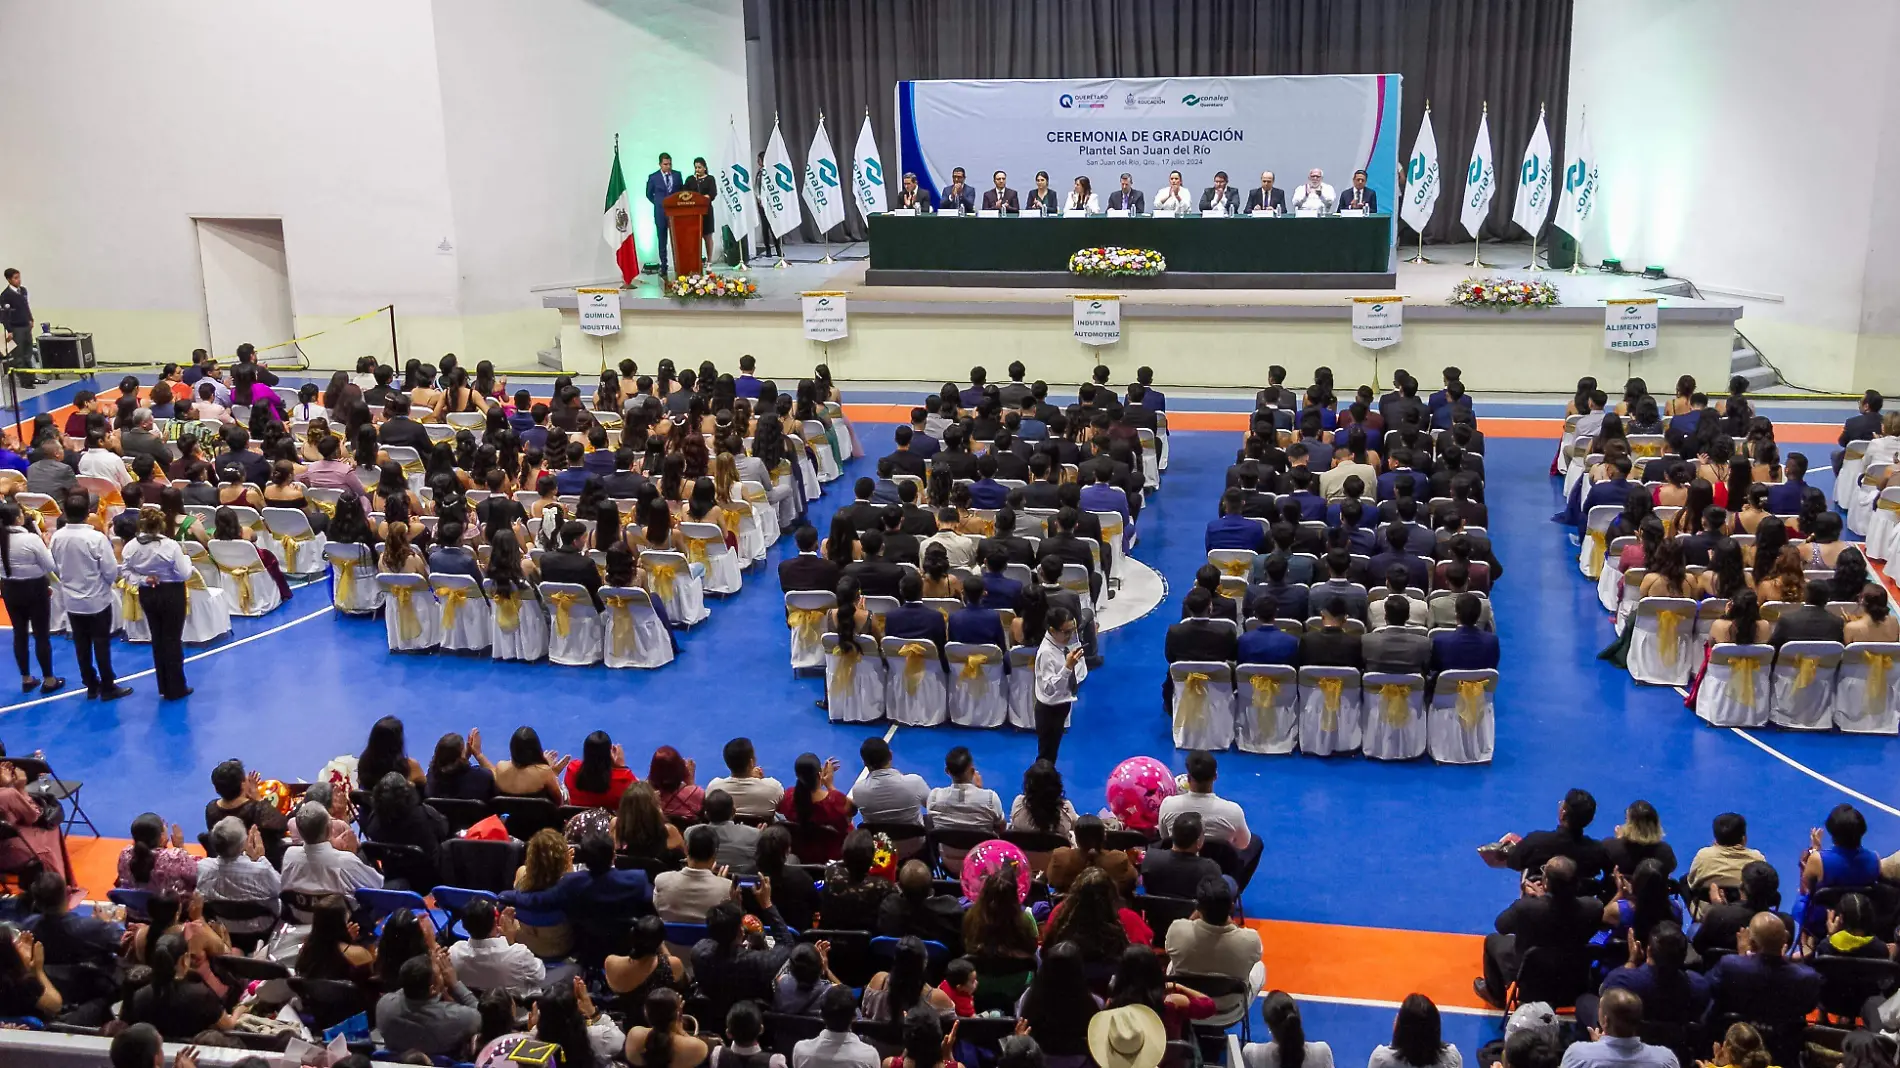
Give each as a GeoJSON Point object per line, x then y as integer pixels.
{"type": "Point", "coordinates": [1532, 167]}
{"type": "Point", "coordinates": [828, 172]}
{"type": "Point", "coordinates": [1417, 169]}
{"type": "Point", "coordinates": [824, 302]}
{"type": "Point", "coordinates": [873, 172]}
{"type": "Point", "coordinates": [1095, 305]}
{"type": "Point", "coordinates": [782, 177]}
{"type": "Point", "coordinates": [1475, 171]}
{"type": "Point", "coordinates": [740, 179]}
{"type": "Point", "coordinates": [1574, 176]}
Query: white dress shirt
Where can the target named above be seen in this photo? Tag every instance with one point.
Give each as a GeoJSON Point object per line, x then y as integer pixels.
{"type": "Point", "coordinates": [1093, 206]}
{"type": "Point", "coordinates": [751, 798]}
{"type": "Point", "coordinates": [486, 964]}
{"type": "Point", "coordinates": [1221, 819]}
{"type": "Point", "coordinates": [321, 868]}
{"type": "Point", "coordinates": [106, 464]}
{"type": "Point", "coordinates": [86, 566]}
{"type": "Point", "coordinates": [889, 796]}
{"type": "Point", "coordinates": [241, 879]}
{"type": "Point", "coordinates": [27, 554]}
{"type": "Point", "coordinates": [1171, 199]}
{"type": "Point", "coordinates": [1055, 679]}
{"type": "Point", "coordinates": [1308, 197]}
{"type": "Point", "coordinates": [834, 1049]}
{"type": "Point", "coordinates": [160, 558]}
{"type": "Point", "coordinates": [965, 806]}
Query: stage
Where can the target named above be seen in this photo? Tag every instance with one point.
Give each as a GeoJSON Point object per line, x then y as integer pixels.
{"type": "Point", "coordinates": [1191, 337]}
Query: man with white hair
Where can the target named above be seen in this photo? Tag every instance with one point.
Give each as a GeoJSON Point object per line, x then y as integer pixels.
{"type": "Point", "coordinates": [317, 867]}
{"type": "Point", "coordinates": [1315, 195]}
{"type": "Point", "coordinates": [235, 870]}
{"type": "Point", "coordinates": [140, 439]}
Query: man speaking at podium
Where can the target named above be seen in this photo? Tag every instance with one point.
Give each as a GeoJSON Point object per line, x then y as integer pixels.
{"type": "Point", "coordinates": [1359, 197]}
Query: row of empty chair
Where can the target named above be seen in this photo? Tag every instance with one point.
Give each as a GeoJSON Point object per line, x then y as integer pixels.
{"type": "Point", "coordinates": [556, 621]}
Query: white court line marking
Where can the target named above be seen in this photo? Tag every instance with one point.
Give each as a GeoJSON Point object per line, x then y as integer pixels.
{"type": "Point", "coordinates": [892, 733]}
{"type": "Point", "coordinates": [1804, 769]}
{"type": "Point", "coordinates": [1373, 1003]}
{"type": "Point", "coordinates": [80, 691]}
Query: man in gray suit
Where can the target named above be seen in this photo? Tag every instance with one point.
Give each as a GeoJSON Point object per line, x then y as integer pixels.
{"type": "Point", "coordinates": [1394, 649]}
{"type": "Point", "coordinates": [140, 439]}
{"type": "Point", "coordinates": [1220, 197]}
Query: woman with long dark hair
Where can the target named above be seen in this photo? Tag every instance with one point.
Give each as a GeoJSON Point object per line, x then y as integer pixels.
{"type": "Point", "coordinates": [1042, 806]}
{"type": "Point", "coordinates": [27, 589]}
{"type": "Point", "coordinates": [1727, 575]}
{"type": "Point", "coordinates": [330, 950]}
{"type": "Point", "coordinates": [156, 860]}
{"type": "Point", "coordinates": [1093, 917]}
{"type": "Point", "coordinates": [384, 752]}
{"type": "Point", "coordinates": [1417, 1039]}
{"type": "Point", "coordinates": [820, 814]}
{"type": "Point", "coordinates": [1668, 571]}
{"type": "Point", "coordinates": [641, 829]}
{"type": "Point", "coordinates": [891, 995]}
{"type": "Point", "coordinates": [1289, 1048]}
{"type": "Point", "coordinates": [663, 1041]}
{"type": "Point", "coordinates": [1850, 576]}
{"type": "Point", "coordinates": [176, 1001]}
{"type": "Point", "coordinates": [647, 966]}
{"type": "Point", "coordinates": [1642, 901]}
{"type": "Point", "coordinates": [1141, 979]}
{"type": "Point", "coordinates": [600, 776]}
{"type": "Point", "coordinates": [452, 776]}
{"type": "Point", "coordinates": [530, 771]}
{"type": "Point", "coordinates": [565, 1016]}
{"type": "Point", "coordinates": [1876, 622]}
{"type": "Point", "coordinates": [1058, 1006]}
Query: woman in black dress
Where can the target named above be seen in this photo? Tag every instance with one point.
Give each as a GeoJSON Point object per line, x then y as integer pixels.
{"type": "Point", "coordinates": [707, 186]}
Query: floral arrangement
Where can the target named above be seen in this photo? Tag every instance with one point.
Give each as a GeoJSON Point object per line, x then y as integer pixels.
{"type": "Point", "coordinates": [1503, 293]}
{"type": "Point", "coordinates": [709, 286]}
{"type": "Point", "coordinates": [1113, 262]}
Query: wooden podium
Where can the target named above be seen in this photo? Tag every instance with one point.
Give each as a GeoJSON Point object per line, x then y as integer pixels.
{"type": "Point", "coordinates": [683, 210]}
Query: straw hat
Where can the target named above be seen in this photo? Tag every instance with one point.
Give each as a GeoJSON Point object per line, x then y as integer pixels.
{"type": "Point", "coordinates": [1131, 1036]}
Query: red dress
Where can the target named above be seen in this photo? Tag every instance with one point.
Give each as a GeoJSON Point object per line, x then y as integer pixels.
{"type": "Point", "coordinates": [617, 784]}
{"type": "Point", "coordinates": [820, 838]}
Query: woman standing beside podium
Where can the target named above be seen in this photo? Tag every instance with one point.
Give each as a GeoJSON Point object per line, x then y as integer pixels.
{"type": "Point", "coordinates": [706, 186]}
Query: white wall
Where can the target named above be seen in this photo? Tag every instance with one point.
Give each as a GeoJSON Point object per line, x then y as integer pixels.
{"type": "Point", "coordinates": [440, 155]}
{"type": "Point", "coordinates": [1754, 149]}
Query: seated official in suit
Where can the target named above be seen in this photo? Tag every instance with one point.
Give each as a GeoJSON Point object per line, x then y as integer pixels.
{"type": "Point", "coordinates": [1444, 606]}
{"type": "Point", "coordinates": [876, 576]}
{"type": "Point", "coordinates": [807, 570]}
{"type": "Point", "coordinates": [1811, 622]}
{"type": "Point", "coordinates": [975, 624]}
{"type": "Point", "coordinates": [1359, 198]}
{"type": "Point", "coordinates": [1394, 648]}
{"type": "Point", "coordinates": [1002, 197]}
{"type": "Point", "coordinates": [1266, 643]}
{"type": "Point", "coordinates": [1233, 530]}
{"type": "Point", "coordinates": [1273, 200]}
{"type": "Point", "coordinates": [1127, 198]}
{"type": "Point", "coordinates": [1418, 570]}
{"type": "Point", "coordinates": [958, 196]}
{"type": "Point", "coordinates": [1198, 637]}
{"type": "Point", "coordinates": [914, 198]}
{"type": "Point", "coordinates": [1331, 645]}
{"type": "Point", "coordinates": [1466, 648]}
{"type": "Point", "coordinates": [1220, 198]}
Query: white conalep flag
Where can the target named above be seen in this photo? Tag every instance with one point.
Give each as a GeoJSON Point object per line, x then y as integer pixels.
{"type": "Point", "coordinates": [867, 173]}
{"type": "Point", "coordinates": [1533, 181]}
{"type": "Point", "coordinates": [822, 193]}
{"type": "Point", "coordinates": [738, 208]}
{"type": "Point", "coordinates": [1481, 180]}
{"type": "Point", "coordinates": [1580, 185]}
{"type": "Point", "coordinates": [1377, 321]}
{"type": "Point", "coordinates": [778, 186]}
{"type": "Point", "coordinates": [1421, 177]}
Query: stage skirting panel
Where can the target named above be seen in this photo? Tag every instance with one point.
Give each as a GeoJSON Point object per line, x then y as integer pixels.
{"type": "Point", "coordinates": [1211, 344]}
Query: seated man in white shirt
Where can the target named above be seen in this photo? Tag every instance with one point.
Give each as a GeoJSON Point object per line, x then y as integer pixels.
{"type": "Point", "coordinates": [235, 870]}
{"type": "Point", "coordinates": [490, 958]}
{"type": "Point", "coordinates": [882, 793]}
{"type": "Point", "coordinates": [685, 896]}
{"type": "Point", "coordinates": [1315, 195]}
{"type": "Point", "coordinates": [755, 796]}
{"type": "Point", "coordinates": [837, 1046]}
{"type": "Point", "coordinates": [964, 805]}
{"type": "Point", "coordinates": [1210, 943]}
{"type": "Point", "coordinates": [100, 462]}
{"type": "Point", "coordinates": [317, 867]}
{"type": "Point", "coordinates": [1222, 820]}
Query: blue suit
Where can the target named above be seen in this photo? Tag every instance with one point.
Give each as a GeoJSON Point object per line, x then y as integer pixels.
{"type": "Point", "coordinates": [1104, 497]}
{"type": "Point", "coordinates": [1418, 572]}
{"type": "Point", "coordinates": [970, 397]}
{"type": "Point", "coordinates": [1464, 649]}
{"type": "Point", "coordinates": [924, 445]}
{"type": "Point", "coordinates": [1389, 479]}
{"type": "Point", "coordinates": [1000, 591]}
{"type": "Point", "coordinates": [1154, 400]}
{"type": "Point", "coordinates": [1785, 499]}
{"type": "Point", "coordinates": [977, 626]}
{"type": "Point", "coordinates": [1236, 532]}
{"type": "Point", "coordinates": [1269, 645]}
{"type": "Point", "coordinates": [885, 493]}
{"type": "Point", "coordinates": [1616, 491]}
{"type": "Point", "coordinates": [660, 185]}
{"type": "Point", "coordinates": [918, 620]}
{"type": "Point", "coordinates": [988, 493]}
{"type": "Point", "coordinates": [1443, 414]}
{"type": "Point", "coordinates": [1312, 505]}
{"type": "Point", "coordinates": [746, 386]}
{"type": "Point", "coordinates": [1681, 426]}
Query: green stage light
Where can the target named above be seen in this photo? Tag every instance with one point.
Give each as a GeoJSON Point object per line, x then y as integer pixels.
{"type": "Point", "coordinates": [1613, 266]}
{"type": "Point", "coordinates": [1655, 273]}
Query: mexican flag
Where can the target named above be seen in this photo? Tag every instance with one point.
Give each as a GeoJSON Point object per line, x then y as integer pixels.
{"type": "Point", "coordinates": [616, 225]}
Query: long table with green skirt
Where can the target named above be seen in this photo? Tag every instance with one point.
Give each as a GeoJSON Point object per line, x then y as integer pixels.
{"type": "Point", "coordinates": [1334, 252]}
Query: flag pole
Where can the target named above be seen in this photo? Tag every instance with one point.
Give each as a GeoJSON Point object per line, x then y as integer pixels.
{"type": "Point", "coordinates": [1420, 258]}
{"type": "Point", "coordinates": [1576, 250]}
{"type": "Point", "coordinates": [1533, 264]}
{"type": "Point", "coordinates": [1477, 260]}
{"type": "Point", "coordinates": [732, 123]}
{"type": "Point", "coordinates": [781, 264]}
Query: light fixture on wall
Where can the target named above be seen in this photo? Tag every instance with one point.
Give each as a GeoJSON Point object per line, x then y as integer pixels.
{"type": "Point", "coordinates": [1613, 266]}
{"type": "Point", "coordinates": [1655, 273]}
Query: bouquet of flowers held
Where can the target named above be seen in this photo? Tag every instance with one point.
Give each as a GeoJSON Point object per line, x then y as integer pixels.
{"type": "Point", "coordinates": [1112, 262]}
{"type": "Point", "coordinates": [709, 286]}
{"type": "Point", "coordinates": [1503, 294]}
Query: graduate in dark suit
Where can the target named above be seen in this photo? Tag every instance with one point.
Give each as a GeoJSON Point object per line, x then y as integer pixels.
{"type": "Point", "coordinates": [913, 618]}
{"type": "Point", "coordinates": [1358, 196]}
{"type": "Point", "coordinates": [661, 184]}
{"type": "Point", "coordinates": [1198, 637]}
{"type": "Point", "coordinates": [975, 624]}
{"type": "Point", "coordinates": [807, 570]}
{"type": "Point", "coordinates": [1466, 648]}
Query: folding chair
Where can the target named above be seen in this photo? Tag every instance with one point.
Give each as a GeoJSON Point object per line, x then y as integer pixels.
{"type": "Point", "coordinates": [1331, 719]}
{"type": "Point", "coordinates": [1266, 713]}
{"type": "Point", "coordinates": [1867, 689]}
{"type": "Point", "coordinates": [410, 614]}
{"type": "Point", "coordinates": [298, 548]}
{"type": "Point", "coordinates": [1803, 691]}
{"type": "Point", "coordinates": [1853, 457]}
{"type": "Point", "coordinates": [915, 690]}
{"type": "Point", "coordinates": [41, 782]}
{"type": "Point", "coordinates": [1395, 717]}
{"type": "Point", "coordinates": [1737, 689]}
{"type": "Point", "coordinates": [518, 624]}
{"type": "Point", "coordinates": [1596, 542]}
{"type": "Point", "coordinates": [706, 546]}
{"type": "Point", "coordinates": [353, 588]}
{"type": "Point", "coordinates": [1021, 684]}
{"type": "Point", "coordinates": [574, 629]}
{"type": "Point", "coordinates": [669, 577]}
{"type": "Point", "coordinates": [241, 575]}
{"type": "Point", "coordinates": [805, 619]}
{"type": "Point", "coordinates": [1659, 652]}
{"type": "Point", "coordinates": [977, 695]}
{"type": "Point", "coordinates": [1462, 723]}
{"type": "Point", "coordinates": [1203, 708]}
{"type": "Point", "coordinates": [467, 623]}
{"type": "Point", "coordinates": [635, 637]}
{"type": "Point", "coordinates": [854, 679]}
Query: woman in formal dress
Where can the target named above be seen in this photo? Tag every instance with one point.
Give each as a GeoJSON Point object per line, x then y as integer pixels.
{"type": "Point", "coordinates": [1044, 198]}
{"type": "Point", "coordinates": [1082, 199]}
{"type": "Point", "coordinates": [707, 186]}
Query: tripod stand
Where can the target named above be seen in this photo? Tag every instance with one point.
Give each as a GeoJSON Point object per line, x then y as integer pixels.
{"type": "Point", "coordinates": [13, 394]}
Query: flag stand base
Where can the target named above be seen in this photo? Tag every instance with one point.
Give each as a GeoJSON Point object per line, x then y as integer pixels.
{"type": "Point", "coordinates": [1576, 259]}
{"type": "Point", "coordinates": [1532, 266]}
{"type": "Point", "coordinates": [781, 264]}
{"type": "Point", "coordinates": [827, 259]}
{"type": "Point", "coordinates": [1420, 257]}
{"type": "Point", "coordinates": [1476, 259]}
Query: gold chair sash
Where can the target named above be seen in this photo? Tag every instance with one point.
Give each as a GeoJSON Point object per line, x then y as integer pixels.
{"type": "Point", "coordinates": [195, 582]}
{"type": "Point", "coordinates": [661, 579]}
{"type": "Point", "coordinates": [696, 550]}
{"type": "Point", "coordinates": [913, 655]}
{"type": "Point", "coordinates": [129, 602]}
{"type": "Point", "coordinates": [1266, 691]}
{"type": "Point", "coordinates": [806, 623]}
{"type": "Point", "coordinates": [1395, 710]}
{"type": "Point", "coordinates": [1668, 634]}
{"type": "Point", "coordinates": [1646, 449]}
{"type": "Point", "coordinates": [413, 467]}
{"type": "Point", "coordinates": [1191, 707]}
{"type": "Point", "coordinates": [1804, 668]}
{"type": "Point", "coordinates": [844, 668]}
{"type": "Point", "coordinates": [345, 583]}
{"type": "Point", "coordinates": [1331, 689]}
{"type": "Point", "coordinates": [508, 611]}
{"type": "Point", "coordinates": [620, 636]}
{"type": "Point", "coordinates": [1231, 568]}
{"type": "Point", "coordinates": [1469, 706]}
{"type": "Point", "coordinates": [1742, 676]}
{"type": "Point", "coordinates": [408, 626]}
{"type": "Point", "coordinates": [1599, 548]}
{"type": "Point", "coordinates": [326, 507]}
{"type": "Point", "coordinates": [753, 496]}
{"type": "Point", "coordinates": [563, 603]}
{"type": "Point", "coordinates": [973, 675]}
{"type": "Point", "coordinates": [287, 543]}
{"type": "Point", "coordinates": [1886, 505]}
{"type": "Point", "coordinates": [452, 598]}
{"type": "Point", "coordinates": [242, 573]}
{"type": "Point", "coordinates": [1878, 664]}
{"type": "Point", "coordinates": [729, 521]}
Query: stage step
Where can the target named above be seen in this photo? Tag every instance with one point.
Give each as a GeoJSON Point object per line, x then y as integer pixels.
{"type": "Point", "coordinates": [1747, 363]}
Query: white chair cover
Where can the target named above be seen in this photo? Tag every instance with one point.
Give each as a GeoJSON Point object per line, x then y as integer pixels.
{"type": "Point", "coordinates": [1266, 708]}
{"type": "Point", "coordinates": [1707, 612]}
{"type": "Point", "coordinates": [467, 620]}
{"type": "Point", "coordinates": [1852, 460]}
{"type": "Point", "coordinates": [574, 630]}
{"type": "Point", "coordinates": [854, 681]}
{"type": "Point", "coordinates": [207, 608]}
{"type": "Point", "coordinates": [1736, 689]}
{"type": "Point", "coordinates": [670, 578]}
{"type": "Point", "coordinates": [1150, 458]}
{"type": "Point", "coordinates": [1883, 524]}
{"type": "Point", "coordinates": [128, 616]}
{"type": "Point", "coordinates": [1661, 649]}
{"type": "Point", "coordinates": [406, 457]}
{"type": "Point", "coordinates": [820, 442]}
{"type": "Point", "coordinates": [915, 690]}
{"type": "Point", "coordinates": [1203, 704]}
{"type": "Point", "coordinates": [1329, 726]}
{"type": "Point", "coordinates": [1462, 726]}
{"type": "Point", "coordinates": [1860, 507]}
{"type": "Point", "coordinates": [1395, 716]}
{"type": "Point", "coordinates": [519, 622]}
{"type": "Point", "coordinates": [1112, 533]}
{"type": "Point", "coordinates": [57, 619]}
{"type": "Point", "coordinates": [805, 620]}
{"type": "Point", "coordinates": [978, 697]}
{"type": "Point", "coordinates": [1021, 684]}
{"type": "Point", "coordinates": [1804, 686]}
{"type": "Point", "coordinates": [299, 550]}
{"type": "Point", "coordinates": [353, 588]}
{"type": "Point", "coordinates": [784, 493]}
{"type": "Point", "coordinates": [765, 517]}
{"type": "Point", "coordinates": [706, 545]}
{"type": "Point", "coordinates": [1632, 592]}
{"type": "Point", "coordinates": [1610, 582]}
{"type": "Point", "coordinates": [1596, 542]}
{"type": "Point", "coordinates": [241, 575]}
{"type": "Point", "coordinates": [1867, 689]}
{"type": "Point", "coordinates": [410, 615]}
{"type": "Point", "coordinates": [635, 637]}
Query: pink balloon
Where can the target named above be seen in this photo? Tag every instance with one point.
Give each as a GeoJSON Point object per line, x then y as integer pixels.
{"type": "Point", "coordinates": [979, 863]}
{"type": "Point", "coordinates": [1136, 789]}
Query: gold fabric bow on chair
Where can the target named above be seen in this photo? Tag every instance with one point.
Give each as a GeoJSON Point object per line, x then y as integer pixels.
{"type": "Point", "coordinates": [195, 582]}
{"type": "Point", "coordinates": [563, 603]}
{"type": "Point", "coordinates": [1231, 568]}
{"type": "Point", "coordinates": [1192, 705]}
{"type": "Point", "coordinates": [287, 544]}
{"type": "Point", "coordinates": [1742, 676]}
{"type": "Point", "coordinates": [1878, 664]}
{"type": "Point", "coordinates": [1668, 635]}
{"type": "Point", "coordinates": [661, 578]}
{"type": "Point", "coordinates": [1599, 548]}
{"type": "Point", "coordinates": [913, 655]}
{"type": "Point", "coordinates": [408, 627]}
{"type": "Point", "coordinates": [806, 623]}
{"type": "Point", "coordinates": [1266, 691]}
{"type": "Point", "coordinates": [328, 508]}
{"type": "Point", "coordinates": [973, 675]}
{"type": "Point", "coordinates": [1396, 711]}
{"type": "Point", "coordinates": [411, 469]}
{"type": "Point", "coordinates": [346, 582]}
{"type": "Point", "coordinates": [508, 611]}
{"type": "Point", "coordinates": [696, 550]}
{"type": "Point", "coordinates": [242, 573]}
{"type": "Point", "coordinates": [1804, 669]}
{"type": "Point", "coordinates": [1332, 688]}
{"type": "Point", "coordinates": [620, 635]}
{"type": "Point", "coordinates": [1470, 710]}
{"type": "Point", "coordinates": [844, 671]}
{"type": "Point", "coordinates": [452, 598]}
{"type": "Point", "coordinates": [129, 601]}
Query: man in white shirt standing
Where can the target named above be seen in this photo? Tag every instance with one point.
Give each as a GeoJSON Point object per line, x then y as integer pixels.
{"type": "Point", "coordinates": [882, 793]}
{"type": "Point", "coordinates": [754, 795]}
{"type": "Point", "coordinates": [1172, 198]}
{"type": "Point", "coordinates": [317, 867]}
{"type": "Point", "coordinates": [837, 1046]}
{"type": "Point", "coordinates": [87, 569]}
{"type": "Point", "coordinates": [1222, 819]}
{"type": "Point", "coordinates": [490, 958]}
{"type": "Point", "coordinates": [1315, 195]}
